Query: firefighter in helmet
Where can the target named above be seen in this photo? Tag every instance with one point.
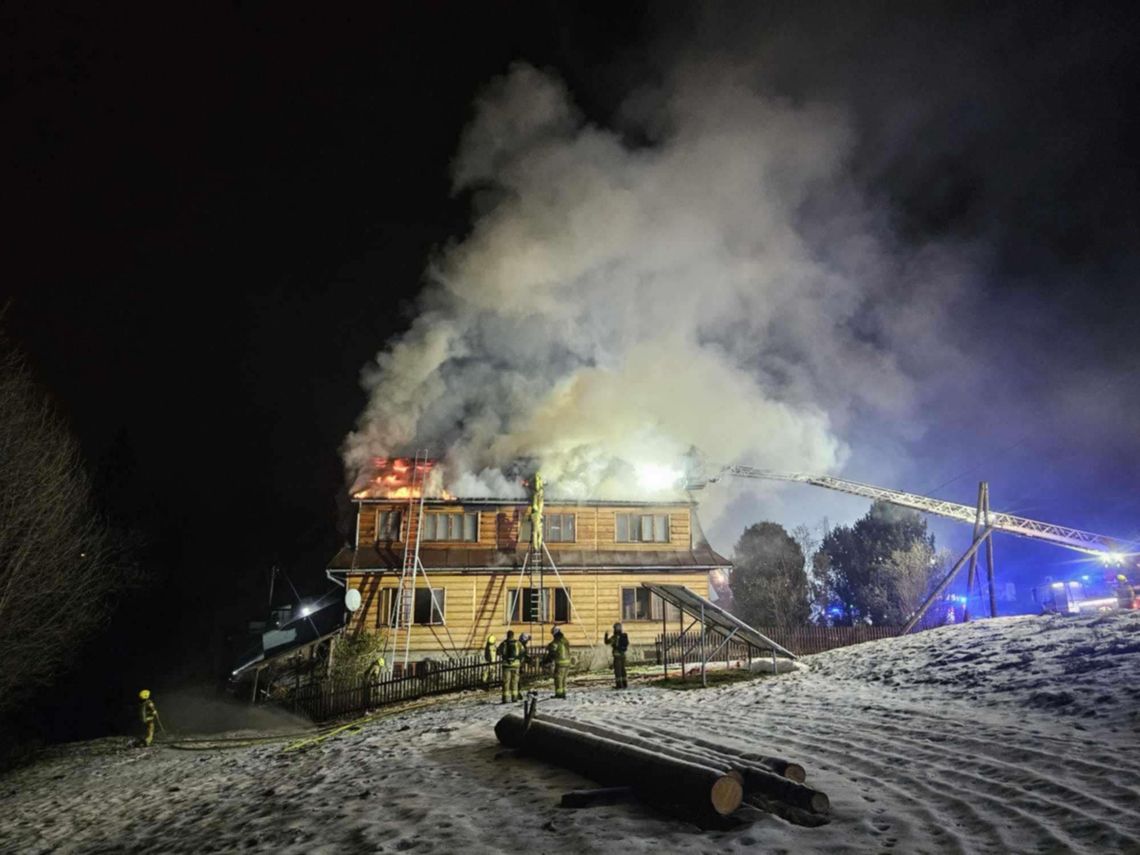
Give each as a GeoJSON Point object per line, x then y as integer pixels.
{"type": "Point", "coordinates": [619, 644]}
{"type": "Point", "coordinates": [510, 652]}
{"type": "Point", "coordinates": [490, 657]}
{"type": "Point", "coordinates": [558, 652]}
{"type": "Point", "coordinates": [149, 713]}
{"type": "Point", "coordinates": [1125, 593]}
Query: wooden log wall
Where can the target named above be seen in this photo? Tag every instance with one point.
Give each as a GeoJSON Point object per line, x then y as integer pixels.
{"type": "Point", "coordinates": [476, 606]}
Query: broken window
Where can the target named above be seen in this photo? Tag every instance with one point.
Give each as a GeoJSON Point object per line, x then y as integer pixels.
{"type": "Point", "coordinates": [388, 525]}
{"type": "Point", "coordinates": [561, 605]}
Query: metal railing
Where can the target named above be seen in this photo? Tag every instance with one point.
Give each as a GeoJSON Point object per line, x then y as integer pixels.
{"type": "Point", "coordinates": [323, 699]}
{"type": "Point", "coordinates": [801, 641]}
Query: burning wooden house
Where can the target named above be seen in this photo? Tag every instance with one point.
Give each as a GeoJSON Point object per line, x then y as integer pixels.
{"type": "Point", "coordinates": [438, 575]}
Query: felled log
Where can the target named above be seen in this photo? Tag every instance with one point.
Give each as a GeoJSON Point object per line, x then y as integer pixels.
{"type": "Point", "coordinates": [654, 776]}
{"type": "Point", "coordinates": [697, 751]}
{"type": "Point", "coordinates": [593, 798]}
{"type": "Point", "coordinates": [786, 768]}
{"type": "Point", "coordinates": [755, 777]}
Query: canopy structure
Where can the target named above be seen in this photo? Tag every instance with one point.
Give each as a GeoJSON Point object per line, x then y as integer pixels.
{"type": "Point", "coordinates": [709, 615]}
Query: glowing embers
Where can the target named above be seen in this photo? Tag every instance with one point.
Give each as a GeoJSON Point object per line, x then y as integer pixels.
{"type": "Point", "coordinates": [399, 478]}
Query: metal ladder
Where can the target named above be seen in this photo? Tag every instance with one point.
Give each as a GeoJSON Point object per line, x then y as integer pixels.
{"type": "Point", "coordinates": [405, 597]}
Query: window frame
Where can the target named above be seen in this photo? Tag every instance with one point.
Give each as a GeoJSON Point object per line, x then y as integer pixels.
{"type": "Point", "coordinates": [626, 523]}
{"type": "Point", "coordinates": [384, 528]}
{"type": "Point", "coordinates": [656, 608]}
{"type": "Point", "coordinates": [547, 531]}
{"type": "Point", "coordinates": [454, 522]}
{"type": "Point", "coordinates": [435, 605]}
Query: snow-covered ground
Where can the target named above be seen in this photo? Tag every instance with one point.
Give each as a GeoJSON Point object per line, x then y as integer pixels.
{"type": "Point", "coordinates": [1011, 735]}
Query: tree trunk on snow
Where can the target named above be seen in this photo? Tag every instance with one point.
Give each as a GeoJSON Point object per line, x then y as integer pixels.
{"type": "Point", "coordinates": [654, 776]}
{"type": "Point", "coordinates": [695, 751]}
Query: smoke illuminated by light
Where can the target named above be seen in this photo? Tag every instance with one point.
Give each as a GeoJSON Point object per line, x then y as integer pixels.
{"type": "Point", "coordinates": [653, 476]}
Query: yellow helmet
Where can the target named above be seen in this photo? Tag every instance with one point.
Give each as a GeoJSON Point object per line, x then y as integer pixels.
{"type": "Point", "coordinates": [144, 694]}
{"type": "Point", "coordinates": [1120, 577]}
{"type": "Point", "coordinates": [490, 639]}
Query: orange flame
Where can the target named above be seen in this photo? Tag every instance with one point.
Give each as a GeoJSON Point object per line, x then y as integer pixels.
{"type": "Point", "coordinates": [396, 478]}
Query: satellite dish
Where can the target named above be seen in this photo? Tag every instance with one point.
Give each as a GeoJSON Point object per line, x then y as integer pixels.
{"type": "Point", "coordinates": [352, 599]}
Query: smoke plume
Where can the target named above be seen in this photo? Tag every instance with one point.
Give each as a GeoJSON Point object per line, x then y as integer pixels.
{"type": "Point", "coordinates": [717, 284]}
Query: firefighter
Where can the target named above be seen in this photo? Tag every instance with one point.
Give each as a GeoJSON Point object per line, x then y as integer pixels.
{"type": "Point", "coordinates": [524, 640]}
{"type": "Point", "coordinates": [149, 713]}
{"type": "Point", "coordinates": [1125, 593]}
{"type": "Point", "coordinates": [373, 675]}
{"type": "Point", "coordinates": [558, 652]}
{"type": "Point", "coordinates": [510, 652]}
{"type": "Point", "coordinates": [619, 643]}
{"type": "Point", "coordinates": [376, 670]}
{"type": "Point", "coordinates": [490, 657]}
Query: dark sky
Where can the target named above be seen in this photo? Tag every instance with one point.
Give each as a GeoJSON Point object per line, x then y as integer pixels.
{"type": "Point", "coordinates": [214, 220]}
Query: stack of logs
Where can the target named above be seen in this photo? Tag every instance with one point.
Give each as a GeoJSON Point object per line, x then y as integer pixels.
{"type": "Point", "coordinates": [701, 776]}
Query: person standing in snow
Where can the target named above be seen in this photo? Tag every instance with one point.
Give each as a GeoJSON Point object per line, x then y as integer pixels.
{"type": "Point", "coordinates": [490, 657]}
{"type": "Point", "coordinates": [619, 644]}
{"type": "Point", "coordinates": [1125, 593]}
{"type": "Point", "coordinates": [149, 713]}
{"type": "Point", "coordinates": [510, 652]}
{"type": "Point", "coordinates": [558, 652]}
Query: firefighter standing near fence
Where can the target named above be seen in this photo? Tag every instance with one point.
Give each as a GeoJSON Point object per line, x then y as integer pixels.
{"type": "Point", "coordinates": [619, 643]}
{"type": "Point", "coordinates": [490, 657]}
{"type": "Point", "coordinates": [558, 652]}
{"type": "Point", "coordinates": [510, 652]}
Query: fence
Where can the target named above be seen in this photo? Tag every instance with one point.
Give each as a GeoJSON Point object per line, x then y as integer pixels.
{"type": "Point", "coordinates": [325, 699]}
{"type": "Point", "coordinates": [801, 641]}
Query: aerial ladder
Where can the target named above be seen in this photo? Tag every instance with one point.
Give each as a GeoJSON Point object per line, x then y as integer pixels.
{"type": "Point", "coordinates": [1109, 549]}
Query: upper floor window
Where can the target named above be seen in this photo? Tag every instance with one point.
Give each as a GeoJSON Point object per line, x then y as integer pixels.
{"type": "Point", "coordinates": [642, 528]}
{"type": "Point", "coordinates": [556, 528]}
{"type": "Point", "coordinates": [388, 525]}
{"type": "Point", "coordinates": [459, 525]}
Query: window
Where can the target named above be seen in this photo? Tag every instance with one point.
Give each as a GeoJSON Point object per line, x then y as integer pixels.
{"type": "Point", "coordinates": [388, 525]}
{"type": "Point", "coordinates": [642, 528]}
{"type": "Point", "coordinates": [643, 604]}
{"type": "Point", "coordinates": [429, 605]}
{"type": "Point", "coordinates": [561, 605]}
{"type": "Point", "coordinates": [386, 614]}
{"type": "Point", "coordinates": [528, 605]}
{"type": "Point", "coordinates": [556, 528]}
{"type": "Point", "coordinates": [533, 605]}
{"type": "Point", "coordinates": [451, 526]}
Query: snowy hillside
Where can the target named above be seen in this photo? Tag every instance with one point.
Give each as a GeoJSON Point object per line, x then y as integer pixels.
{"type": "Point", "coordinates": [1012, 735]}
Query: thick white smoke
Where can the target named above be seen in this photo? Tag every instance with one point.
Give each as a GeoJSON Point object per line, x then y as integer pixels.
{"type": "Point", "coordinates": [615, 304]}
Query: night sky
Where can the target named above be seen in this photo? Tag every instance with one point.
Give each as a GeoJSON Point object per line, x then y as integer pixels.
{"type": "Point", "coordinates": [213, 222]}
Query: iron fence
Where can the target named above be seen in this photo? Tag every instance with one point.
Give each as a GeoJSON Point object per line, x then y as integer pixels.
{"type": "Point", "coordinates": [323, 699]}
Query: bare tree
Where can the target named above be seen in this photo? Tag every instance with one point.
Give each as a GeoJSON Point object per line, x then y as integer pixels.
{"type": "Point", "coordinates": [60, 564]}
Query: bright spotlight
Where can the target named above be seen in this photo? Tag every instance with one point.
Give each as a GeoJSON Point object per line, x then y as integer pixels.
{"type": "Point", "coordinates": [306, 611]}
{"type": "Point", "coordinates": [653, 476]}
{"type": "Point", "coordinates": [1113, 559]}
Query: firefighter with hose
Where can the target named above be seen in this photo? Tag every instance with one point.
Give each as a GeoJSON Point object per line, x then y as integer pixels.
{"type": "Point", "coordinates": [619, 644]}
{"type": "Point", "coordinates": [149, 713]}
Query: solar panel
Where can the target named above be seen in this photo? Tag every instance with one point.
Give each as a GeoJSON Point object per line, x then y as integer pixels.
{"type": "Point", "coordinates": [696, 606]}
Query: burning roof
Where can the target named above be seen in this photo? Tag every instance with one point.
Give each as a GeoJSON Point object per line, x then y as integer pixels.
{"type": "Point", "coordinates": [398, 478]}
